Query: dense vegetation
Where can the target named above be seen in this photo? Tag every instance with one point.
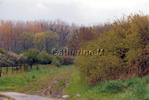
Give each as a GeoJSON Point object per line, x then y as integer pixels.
{"type": "Point", "coordinates": [126, 51]}
{"type": "Point", "coordinates": [32, 57]}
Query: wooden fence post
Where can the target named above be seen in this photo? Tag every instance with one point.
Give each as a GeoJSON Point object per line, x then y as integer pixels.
{"type": "Point", "coordinates": [20, 69]}
{"type": "Point", "coordinates": [31, 66]}
{"type": "Point", "coordinates": [7, 70]}
{"type": "Point", "coordinates": [24, 67]}
{"type": "Point", "coordinates": [17, 68]}
{"type": "Point", "coordinates": [27, 67]}
{"type": "Point", "coordinates": [12, 69]}
{"type": "Point", "coordinates": [0, 70]}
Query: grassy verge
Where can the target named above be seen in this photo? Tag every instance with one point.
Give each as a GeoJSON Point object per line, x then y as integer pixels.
{"type": "Point", "coordinates": [131, 89]}
{"type": "Point", "coordinates": [26, 80]}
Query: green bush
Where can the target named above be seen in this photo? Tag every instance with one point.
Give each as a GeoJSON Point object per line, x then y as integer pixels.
{"type": "Point", "coordinates": [22, 59]}
{"type": "Point", "coordinates": [44, 58]}
{"type": "Point", "coordinates": [31, 55]}
{"type": "Point", "coordinates": [57, 61]}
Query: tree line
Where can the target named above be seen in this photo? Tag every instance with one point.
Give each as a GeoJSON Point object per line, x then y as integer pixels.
{"type": "Point", "coordinates": [19, 36]}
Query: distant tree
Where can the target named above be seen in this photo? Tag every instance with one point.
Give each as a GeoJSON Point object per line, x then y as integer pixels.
{"type": "Point", "coordinates": [7, 35]}
{"type": "Point", "coordinates": [46, 40]}
{"type": "Point", "coordinates": [83, 35]}
{"type": "Point", "coordinates": [26, 40]}
{"type": "Point", "coordinates": [10, 32]}
{"type": "Point", "coordinates": [73, 43]}
{"type": "Point", "coordinates": [63, 30]}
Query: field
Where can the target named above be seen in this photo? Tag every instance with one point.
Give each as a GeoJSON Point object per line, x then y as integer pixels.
{"type": "Point", "coordinates": [51, 81]}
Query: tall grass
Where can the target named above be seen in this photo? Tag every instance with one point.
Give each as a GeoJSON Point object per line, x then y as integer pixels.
{"type": "Point", "coordinates": [112, 86]}
{"type": "Point", "coordinates": [140, 91]}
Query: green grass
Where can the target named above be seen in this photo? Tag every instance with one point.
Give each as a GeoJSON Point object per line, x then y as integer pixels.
{"type": "Point", "coordinates": [131, 89]}
{"type": "Point", "coordinates": [35, 80]}
{"type": "Point", "coordinates": [18, 81]}
{"type": "Point", "coordinates": [112, 87]}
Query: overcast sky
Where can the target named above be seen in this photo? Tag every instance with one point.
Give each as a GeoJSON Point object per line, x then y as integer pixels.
{"type": "Point", "coordinates": [85, 12]}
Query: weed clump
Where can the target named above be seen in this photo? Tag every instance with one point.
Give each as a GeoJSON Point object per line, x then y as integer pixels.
{"type": "Point", "coordinates": [112, 87]}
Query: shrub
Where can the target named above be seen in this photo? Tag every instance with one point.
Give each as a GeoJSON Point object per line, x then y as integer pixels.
{"type": "Point", "coordinates": [125, 48]}
{"type": "Point", "coordinates": [9, 59]}
{"type": "Point", "coordinates": [67, 60]}
{"type": "Point", "coordinates": [3, 51]}
{"type": "Point", "coordinates": [22, 59]}
{"type": "Point", "coordinates": [12, 58]}
{"type": "Point", "coordinates": [3, 60]}
{"type": "Point", "coordinates": [94, 70]}
{"type": "Point", "coordinates": [31, 55]}
{"type": "Point", "coordinates": [44, 58]}
{"type": "Point", "coordinates": [57, 60]}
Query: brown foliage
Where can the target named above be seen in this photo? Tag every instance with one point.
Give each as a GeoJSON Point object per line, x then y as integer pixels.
{"type": "Point", "coordinates": [10, 32]}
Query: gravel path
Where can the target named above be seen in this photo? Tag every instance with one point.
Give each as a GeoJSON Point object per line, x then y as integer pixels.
{"type": "Point", "coordinates": [21, 96]}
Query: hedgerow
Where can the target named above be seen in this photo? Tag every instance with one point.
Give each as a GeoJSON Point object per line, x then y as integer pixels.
{"type": "Point", "coordinates": [126, 51]}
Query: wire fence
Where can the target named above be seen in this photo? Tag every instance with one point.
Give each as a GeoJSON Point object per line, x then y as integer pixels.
{"type": "Point", "coordinates": [14, 69]}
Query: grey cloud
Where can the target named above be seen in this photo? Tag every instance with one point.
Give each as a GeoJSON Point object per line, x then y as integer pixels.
{"type": "Point", "coordinates": [77, 11]}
